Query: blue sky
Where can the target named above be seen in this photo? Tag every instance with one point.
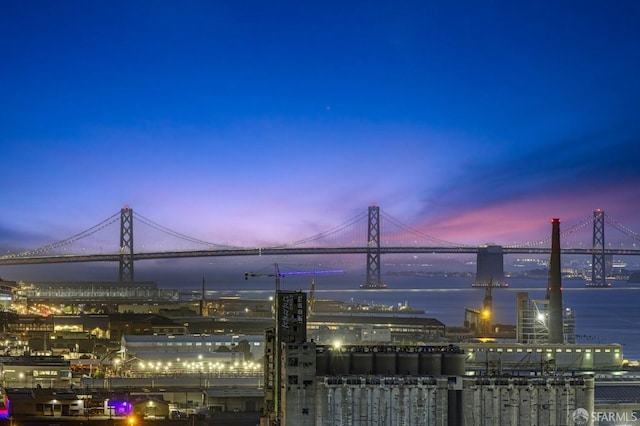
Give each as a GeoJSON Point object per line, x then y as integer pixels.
{"type": "Point", "coordinates": [250, 122]}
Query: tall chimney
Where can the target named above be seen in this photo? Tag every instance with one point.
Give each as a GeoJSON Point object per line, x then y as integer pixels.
{"type": "Point", "coordinates": [203, 301]}
{"type": "Point", "coordinates": [554, 291]}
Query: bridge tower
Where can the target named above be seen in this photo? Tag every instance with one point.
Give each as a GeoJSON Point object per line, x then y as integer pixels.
{"type": "Point", "coordinates": [373, 247]}
{"type": "Point", "coordinates": [598, 273]}
{"type": "Point", "coordinates": [126, 245]}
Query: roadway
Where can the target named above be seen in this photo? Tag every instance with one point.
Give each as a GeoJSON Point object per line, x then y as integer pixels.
{"type": "Point", "coordinates": [286, 251]}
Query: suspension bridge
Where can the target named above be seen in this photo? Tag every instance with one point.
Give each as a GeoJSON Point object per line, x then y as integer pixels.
{"type": "Point", "coordinates": [372, 233]}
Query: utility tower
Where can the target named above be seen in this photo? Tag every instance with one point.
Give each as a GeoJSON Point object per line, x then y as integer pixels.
{"type": "Point", "coordinates": [126, 245]}
{"type": "Point", "coordinates": [373, 248]}
{"type": "Point", "coordinates": [598, 273]}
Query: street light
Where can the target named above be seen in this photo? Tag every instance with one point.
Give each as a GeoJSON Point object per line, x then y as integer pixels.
{"type": "Point", "coordinates": [116, 362]}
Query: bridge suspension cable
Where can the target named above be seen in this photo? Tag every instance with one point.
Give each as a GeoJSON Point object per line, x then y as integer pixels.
{"type": "Point", "coordinates": [547, 241]}
{"type": "Point", "coordinates": [71, 239]}
{"type": "Point", "coordinates": [588, 220]}
{"type": "Point", "coordinates": [140, 218]}
{"type": "Point", "coordinates": [622, 228]}
{"type": "Point", "coordinates": [336, 229]}
{"type": "Point", "coordinates": [416, 232]}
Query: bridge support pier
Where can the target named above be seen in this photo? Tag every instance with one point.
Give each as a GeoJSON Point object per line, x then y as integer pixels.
{"type": "Point", "coordinates": [489, 266]}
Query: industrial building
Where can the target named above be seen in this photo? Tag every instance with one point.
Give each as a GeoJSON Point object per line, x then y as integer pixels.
{"type": "Point", "coordinates": [532, 321]}
{"type": "Point", "coordinates": [417, 386]}
{"type": "Point", "coordinates": [617, 401]}
{"type": "Point", "coordinates": [92, 292]}
{"type": "Point", "coordinates": [34, 371]}
{"type": "Point", "coordinates": [167, 347]}
{"type": "Point", "coordinates": [7, 289]}
{"type": "Point", "coordinates": [528, 383]}
{"type": "Point", "coordinates": [360, 328]}
{"type": "Point", "coordinates": [501, 357]}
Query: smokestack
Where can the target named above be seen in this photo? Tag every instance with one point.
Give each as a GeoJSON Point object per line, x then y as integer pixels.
{"type": "Point", "coordinates": [554, 291]}
{"type": "Point", "coordinates": [203, 301]}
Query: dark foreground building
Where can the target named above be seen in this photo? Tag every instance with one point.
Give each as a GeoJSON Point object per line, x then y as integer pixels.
{"type": "Point", "coordinates": [306, 384]}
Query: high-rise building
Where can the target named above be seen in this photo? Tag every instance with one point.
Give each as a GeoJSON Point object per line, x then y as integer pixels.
{"type": "Point", "coordinates": [290, 328]}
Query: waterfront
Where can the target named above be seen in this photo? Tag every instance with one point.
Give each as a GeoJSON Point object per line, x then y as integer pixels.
{"type": "Point", "coordinates": [603, 315]}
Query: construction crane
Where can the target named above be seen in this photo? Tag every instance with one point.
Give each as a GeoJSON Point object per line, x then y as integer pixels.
{"type": "Point", "coordinates": [279, 274]}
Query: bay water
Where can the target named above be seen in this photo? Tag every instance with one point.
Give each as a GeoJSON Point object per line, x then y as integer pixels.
{"type": "Point", "coordinates": [603, 315]}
